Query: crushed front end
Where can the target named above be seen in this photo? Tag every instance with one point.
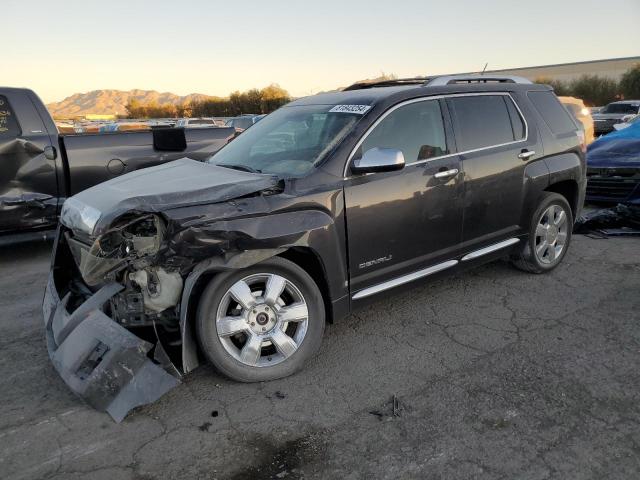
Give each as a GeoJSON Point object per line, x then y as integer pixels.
{"type": "Point", "coordinates": [111, 314]}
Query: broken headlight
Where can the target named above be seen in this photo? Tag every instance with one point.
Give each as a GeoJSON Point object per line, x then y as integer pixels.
{"type": "Point", "coordinates": [129, 239]}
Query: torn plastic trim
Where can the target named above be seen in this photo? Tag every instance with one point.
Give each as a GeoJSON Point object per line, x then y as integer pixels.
{"type": "Point", "coordinates": [101, 361]}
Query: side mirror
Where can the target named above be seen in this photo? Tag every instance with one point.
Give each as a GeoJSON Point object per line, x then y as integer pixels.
{"type": "Point", "coordinates": [379, 160]}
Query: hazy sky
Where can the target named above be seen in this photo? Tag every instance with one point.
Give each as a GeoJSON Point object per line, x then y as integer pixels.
{"type": "Point", "coordinates": [66, 46]}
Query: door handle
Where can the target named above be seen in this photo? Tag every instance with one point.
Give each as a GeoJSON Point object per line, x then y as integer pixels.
{"type": "Point", "coordinates": [447, 173]}
{"type": "Point", "coordinates": [526, 154]}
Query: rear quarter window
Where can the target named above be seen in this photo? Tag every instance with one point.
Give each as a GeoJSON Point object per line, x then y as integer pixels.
{"type": "Point", "coordinates": [554, 114]}
{"type": "Point", "coordinates": [9, 127]}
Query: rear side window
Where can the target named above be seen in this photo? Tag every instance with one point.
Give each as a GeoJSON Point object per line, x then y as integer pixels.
{"type": "Point", "coordinates": [484, 121]}
{"type": "Point", "coordinates": [554, 114]}
{"type": "Point", "coordinates": [9, 127]}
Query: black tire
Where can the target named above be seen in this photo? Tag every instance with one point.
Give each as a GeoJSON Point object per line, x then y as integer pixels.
{"type": "Point", "coordinates": [231, 367]}
{"type": "Point", "coordinates": [526, 259]}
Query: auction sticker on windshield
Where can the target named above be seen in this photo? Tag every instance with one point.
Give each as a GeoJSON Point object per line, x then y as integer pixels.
{"type": "Point", "coordinates": [359, 109]}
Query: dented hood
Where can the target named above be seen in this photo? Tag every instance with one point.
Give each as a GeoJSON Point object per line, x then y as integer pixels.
{"type": "Point", "coordinates": [175, 184]}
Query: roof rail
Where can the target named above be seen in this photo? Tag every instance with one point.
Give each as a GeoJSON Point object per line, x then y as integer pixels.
{"type": "Point", "coordinates": [387, 83]}
{"type": "Point", "coordinates": [453, 79]}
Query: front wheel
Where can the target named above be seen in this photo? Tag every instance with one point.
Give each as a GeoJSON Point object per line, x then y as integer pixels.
{"type": "Point", "coordinates": [261, 323]}
{"type": "Point", "coordinates": [549, 236]}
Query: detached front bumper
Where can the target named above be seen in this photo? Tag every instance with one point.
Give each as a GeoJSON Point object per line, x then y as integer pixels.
{"type": "Point", "coordinates": [101, 361]}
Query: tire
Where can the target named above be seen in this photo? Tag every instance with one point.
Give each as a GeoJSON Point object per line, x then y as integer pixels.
{"type": "Point", "coordinates": [247, 344]}
{"type": "Point", "coordinates": [529, 258]}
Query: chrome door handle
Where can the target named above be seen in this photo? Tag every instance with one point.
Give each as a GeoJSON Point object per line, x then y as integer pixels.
{"type": "Point", "coordinates": [447, 173]}
{"type": "Point", "coordinates": [526, 154]}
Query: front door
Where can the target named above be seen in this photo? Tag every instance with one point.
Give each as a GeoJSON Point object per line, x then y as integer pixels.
{"type": "Point", "coordinates": [28, 180]}
{"type": "Point", "coordinates": [402, 221]}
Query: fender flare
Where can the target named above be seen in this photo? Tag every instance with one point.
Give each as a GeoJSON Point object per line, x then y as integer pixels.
{"type": "Point", "coordinates": [217, 264]}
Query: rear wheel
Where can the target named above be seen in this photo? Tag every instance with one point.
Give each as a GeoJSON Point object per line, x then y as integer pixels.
{"type": "Point", "coordinates": [549, 236]}
{"type": "Point", "coordinates": [261, 323]}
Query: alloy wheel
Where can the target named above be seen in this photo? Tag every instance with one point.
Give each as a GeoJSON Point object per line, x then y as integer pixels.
{"type": "Point", "coordinates": [262, 319]}
{"type": "Point", "coordinates": [551, 234]}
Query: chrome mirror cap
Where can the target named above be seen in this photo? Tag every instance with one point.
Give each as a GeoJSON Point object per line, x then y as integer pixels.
{"type": "Point", "coordinates": [379, 160]}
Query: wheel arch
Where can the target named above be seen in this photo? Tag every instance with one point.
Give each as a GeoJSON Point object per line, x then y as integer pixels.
{"type": "Point", "coordinates": [305, 257]}
{"type": "Point", "coordinates": [569, 189]}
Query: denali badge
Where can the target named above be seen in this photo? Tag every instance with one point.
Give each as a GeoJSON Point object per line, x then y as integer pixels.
{"type": "Point", "coordinates": [375, 262]}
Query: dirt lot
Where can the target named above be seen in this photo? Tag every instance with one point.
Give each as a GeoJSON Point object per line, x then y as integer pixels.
{"type": "Point", "coordinates": [497, 374]}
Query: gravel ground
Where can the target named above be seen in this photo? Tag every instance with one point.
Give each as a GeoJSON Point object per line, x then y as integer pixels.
{"type": "Point", "coordinates": [490, 374]}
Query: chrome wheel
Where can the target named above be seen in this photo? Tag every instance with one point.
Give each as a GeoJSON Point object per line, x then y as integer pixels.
{"type": "Point", "coordinates": [551, 234]}
{"type": "Point", "coordinates": [262, 319]}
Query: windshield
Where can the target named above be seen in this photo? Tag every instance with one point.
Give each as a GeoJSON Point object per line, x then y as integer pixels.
{"type": "Point", "coordinates": [290, 142]}
{"type": "Point", "coordinates": [620, 108]}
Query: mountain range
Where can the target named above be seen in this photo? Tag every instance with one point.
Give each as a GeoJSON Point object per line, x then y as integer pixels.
{"type": "Point", "coordinates": [112, 102]}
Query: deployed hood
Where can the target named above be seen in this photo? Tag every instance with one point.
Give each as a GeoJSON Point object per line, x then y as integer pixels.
{"type": "Point", "coordinates": [175, 184]}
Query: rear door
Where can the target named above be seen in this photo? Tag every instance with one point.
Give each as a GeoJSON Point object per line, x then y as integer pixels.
{"type": "Point", "coordinates": [28, 181]}
{"type": "Point", "coordinates": [495, 144]}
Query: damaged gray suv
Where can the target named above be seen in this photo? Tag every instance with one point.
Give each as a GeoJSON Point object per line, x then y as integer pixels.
{"type": "Point", "coordinates": [328, 203]}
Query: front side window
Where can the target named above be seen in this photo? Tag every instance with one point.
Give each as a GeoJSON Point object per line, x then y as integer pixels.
{"type": "Point", "coordinates": [484, 121]}
{"type": "Point", "coordinates": [290, 142]}
{"type": "Point", "coordinates": [9, 127]}
{"type": "Point", "coordinates": [416, 129]}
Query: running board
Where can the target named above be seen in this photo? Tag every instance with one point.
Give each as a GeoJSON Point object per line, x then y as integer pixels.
{"type": "Point", "coordinates": [490, 248]}
{"type": "Point", "coordinates": [404, 279]}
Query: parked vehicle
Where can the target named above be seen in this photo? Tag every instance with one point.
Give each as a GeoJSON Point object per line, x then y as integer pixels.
{"type": "Point", "coordinates": [627, 122]}
{"type": "Point", "coordinates": [199, 123]}
{"type": "Point", "coordinates": [41, 167]}
{"type": "Point", "coordinates": [321, 207]}
{"type": "Point", "coordinates": [243, 122]}
{"type": "Point", "coordinates": [582, 114]}
{"type": "Point", "coordinates": [613, 113]}
{"type": "Point", "coordinates": [613, 167]}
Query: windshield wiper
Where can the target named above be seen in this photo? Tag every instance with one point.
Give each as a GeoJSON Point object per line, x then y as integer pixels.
{"type": "Point", "coordinates": [242, 168]}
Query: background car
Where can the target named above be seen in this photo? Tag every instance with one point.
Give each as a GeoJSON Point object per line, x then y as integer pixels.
{"type": "Point", "coordinates": [243, 122]}
{"type": "Point", "coordinates": [627, 122]}
{"type": "Point", "coordinates": [582, 114]}
{"type": "Point", "coordinates": [613, 113]}
{"type": "Point", "coordinates": [613, 167]}
{"type": "Point", "coordinates": [199, 123]}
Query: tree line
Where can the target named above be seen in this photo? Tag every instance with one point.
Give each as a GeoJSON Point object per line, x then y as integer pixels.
{"type": "Point", "coordinates": [595, 90]}
{"type": "Point", "coordinates": [256, 101]}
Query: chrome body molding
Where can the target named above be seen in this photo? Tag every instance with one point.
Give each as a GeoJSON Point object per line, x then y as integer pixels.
{"type": "Point", "coordinates": [410, 277]}
{"type": "Point", "coordinates": [490, 248]}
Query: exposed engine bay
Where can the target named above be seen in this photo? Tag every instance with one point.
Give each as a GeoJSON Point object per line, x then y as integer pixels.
{"type": "Point", "coordinates": [127, 254]}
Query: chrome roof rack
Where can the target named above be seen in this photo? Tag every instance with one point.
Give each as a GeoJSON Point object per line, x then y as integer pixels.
{"type": "Point", "coordinates": [453, 79]}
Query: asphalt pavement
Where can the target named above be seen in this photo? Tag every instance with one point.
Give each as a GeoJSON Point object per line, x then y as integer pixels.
{"type": "Point", "coordinates": [492, 374]}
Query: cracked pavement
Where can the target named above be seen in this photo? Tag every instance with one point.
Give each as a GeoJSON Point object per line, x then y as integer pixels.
{"type": "Point", "coordinates": [497, 374]}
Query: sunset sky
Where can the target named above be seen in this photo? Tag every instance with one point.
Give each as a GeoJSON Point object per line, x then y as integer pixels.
{"type": "Point", "coordinates": [215, 47]}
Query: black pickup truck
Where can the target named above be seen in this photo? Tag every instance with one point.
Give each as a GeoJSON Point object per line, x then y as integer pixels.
{"type": "Point", "coordinates": [41, 168]}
